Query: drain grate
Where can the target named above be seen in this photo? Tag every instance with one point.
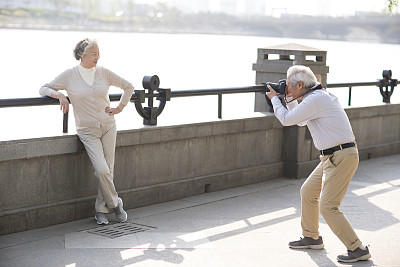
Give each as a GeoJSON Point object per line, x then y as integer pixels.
{"type": "Point", "coordinates": [120, 229]}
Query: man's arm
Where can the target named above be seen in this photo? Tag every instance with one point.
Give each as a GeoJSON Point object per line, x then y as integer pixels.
{"type": "Point", "coordinates": [289, 117]}
{"type": "Point", "coordinates": [299, 115]}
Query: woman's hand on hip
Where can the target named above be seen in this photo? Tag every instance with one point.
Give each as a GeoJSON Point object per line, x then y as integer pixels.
{"type": "Point", "coordinates": [113, 111]}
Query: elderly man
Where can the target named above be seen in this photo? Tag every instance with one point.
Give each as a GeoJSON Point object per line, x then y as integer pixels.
{"type": "Point", "coordinates": [333, 136]}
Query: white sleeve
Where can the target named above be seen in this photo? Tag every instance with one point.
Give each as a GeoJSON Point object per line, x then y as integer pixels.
{"type": "Point", "coordinates": [59, 83]}
{"type": "Point", "coordinates": [299, 115]}
{"type": "Point", "coordinates": [291, 104]}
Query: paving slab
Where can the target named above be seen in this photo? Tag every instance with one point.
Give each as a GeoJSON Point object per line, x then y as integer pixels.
{"type": "Point", "coordinates": [244, 226]}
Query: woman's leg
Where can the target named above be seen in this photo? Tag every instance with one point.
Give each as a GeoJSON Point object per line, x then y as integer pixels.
{"type": "Point", "coordinates": [96, 143]}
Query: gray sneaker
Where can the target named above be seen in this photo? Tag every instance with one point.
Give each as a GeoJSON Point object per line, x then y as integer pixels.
{"type": "Point", "coordinates": [355, 255]}
{"type": "Point", "coordinates": [101, 218]}
{"type": "Point", "coordinates": [121, 215]}
{"type": "Point", "coordinates": [307, 242]}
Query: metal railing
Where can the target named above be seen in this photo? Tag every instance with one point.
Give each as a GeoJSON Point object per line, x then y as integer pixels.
{"type": "Point", "coordinates": [151, 83]}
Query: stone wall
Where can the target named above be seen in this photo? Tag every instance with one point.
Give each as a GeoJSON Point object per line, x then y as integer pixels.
{"type": "Point", "coordinates": [50, 180]}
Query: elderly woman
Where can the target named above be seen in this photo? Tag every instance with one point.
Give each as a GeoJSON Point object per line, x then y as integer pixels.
{"type": "Point", "coordinates": [87, 86]}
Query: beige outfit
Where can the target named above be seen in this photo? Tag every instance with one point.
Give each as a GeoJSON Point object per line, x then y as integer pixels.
{"type": "Point", "coordinates": [88, 92]}
{"type": "Point", "coordinates": [329, 182]}
{"type": "Point", "coordinates": [100, 146]}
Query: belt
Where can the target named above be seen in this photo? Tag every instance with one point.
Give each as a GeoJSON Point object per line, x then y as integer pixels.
{"type": "Point", "coordinates": [332, 150]}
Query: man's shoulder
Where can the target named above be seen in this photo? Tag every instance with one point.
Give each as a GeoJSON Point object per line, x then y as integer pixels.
{"type": "Point", "coordinates": [318, 98]}
{"type": "Point", "coordinates": [321, 94]}
{"type": "Point", "coordinates": [324, 99]}
{"type": "Point", "coordinates": [316, 95]}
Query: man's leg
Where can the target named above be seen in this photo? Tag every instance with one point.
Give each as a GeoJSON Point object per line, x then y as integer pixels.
{"type": "Point", "coordinates": [310, 192]}
{"type": "Point", "coordinates": [339, 170]}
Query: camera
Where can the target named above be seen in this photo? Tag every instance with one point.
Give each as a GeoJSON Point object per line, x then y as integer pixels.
{"type": "Point", "coordinates": [279, 87]}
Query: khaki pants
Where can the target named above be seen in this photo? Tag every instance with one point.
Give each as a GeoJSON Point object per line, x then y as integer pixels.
{"type": "Point", "coordinates": [100, 147]}
{"type": "Point", "coordinates": [324, 191]}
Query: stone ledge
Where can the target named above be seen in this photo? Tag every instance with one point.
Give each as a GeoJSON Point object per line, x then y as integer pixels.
{"type": "Point", "coordinates": [48, 146]}
{"type": "Point", "coordinates": [380, 150]}
{"type": "Point", "coordinates": [373, 111]}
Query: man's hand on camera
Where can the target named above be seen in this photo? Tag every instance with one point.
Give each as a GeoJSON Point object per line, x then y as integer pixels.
{"type": "Point", "coordinates": [271, 92]}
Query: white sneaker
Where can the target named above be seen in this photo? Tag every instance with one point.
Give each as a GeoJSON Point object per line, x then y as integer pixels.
{"type": "Point", "coordinates": [121, 215]}
{"type": "Point", "coordinates": [101, 218]}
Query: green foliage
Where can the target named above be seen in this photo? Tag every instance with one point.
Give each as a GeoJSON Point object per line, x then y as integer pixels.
{"type": "Point", "coordinates": [392, 4]}
{"type": "Point", "coordinates": [60, 4]}
{"type": "Point", "coordinates": [40, 13]}
{"type": "Point", "coordinates": [5, 11]}
{"type": "Point", "coordinates": [21, 13]}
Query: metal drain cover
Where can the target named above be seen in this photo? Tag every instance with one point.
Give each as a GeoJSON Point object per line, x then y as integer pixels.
{"type": "Point", "coordinates": [119, 229]}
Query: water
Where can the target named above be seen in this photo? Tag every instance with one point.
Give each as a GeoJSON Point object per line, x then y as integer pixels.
{"type": "Point", "coordinates": [182, 61]}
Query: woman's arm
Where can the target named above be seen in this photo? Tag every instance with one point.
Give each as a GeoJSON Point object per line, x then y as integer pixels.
{"type": "Point", "coordinates": [128, 88]}
{"type": "Point", "coordinates": [52, 90]}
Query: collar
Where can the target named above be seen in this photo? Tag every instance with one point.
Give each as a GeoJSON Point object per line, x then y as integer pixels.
{"type": "Point", "coordinates": [85, 70]}
{"type": "Point", "coordinates": [315, 87]}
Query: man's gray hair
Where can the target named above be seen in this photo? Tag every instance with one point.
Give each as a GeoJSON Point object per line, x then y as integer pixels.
{"type": "Point", "coordinates": [302, 73]}
{"type": "Point", "coordinates": [82, 47]}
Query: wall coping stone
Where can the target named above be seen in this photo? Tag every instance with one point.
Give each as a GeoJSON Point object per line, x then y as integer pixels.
{"type": "Point", "coordinates": [69, 143]}
{"type": "Point", "coordinates": [66, 144]}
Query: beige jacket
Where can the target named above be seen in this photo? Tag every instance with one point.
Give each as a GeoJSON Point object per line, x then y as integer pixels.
{"type": "Point", "coordinates": [89, 102]}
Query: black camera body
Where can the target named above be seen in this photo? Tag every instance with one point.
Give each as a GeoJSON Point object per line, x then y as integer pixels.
{"type": "Point", "coordinates": [279, 87]}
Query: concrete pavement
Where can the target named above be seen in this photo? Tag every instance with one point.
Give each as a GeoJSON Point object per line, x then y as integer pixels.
{"type": "Point", "coordinates": [245, 226]}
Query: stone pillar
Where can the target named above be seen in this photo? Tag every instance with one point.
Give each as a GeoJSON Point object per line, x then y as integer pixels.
{"type": "Point", "coordinates": [299, 154]}
{"type": "Point", "coordinates": [273, 63]}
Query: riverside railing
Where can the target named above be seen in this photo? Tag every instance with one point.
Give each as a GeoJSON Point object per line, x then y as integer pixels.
{"type": "Point", "coordinates": [151, 83]}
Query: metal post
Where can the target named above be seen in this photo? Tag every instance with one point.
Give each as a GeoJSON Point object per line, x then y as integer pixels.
{"type": "Point", "coordinates": [219, 106]}
{"type": "Point", "coordinates": [150, 113]}
{"type": "Point", "coordinates": [388, 94]}
{"type": "Point", "coordinates": [384, 92]}
{"type": "Point", "coordinates": [385, 82]}
{"type": "Point", "coordinates": [65, 123]}
{"type": "Point", "coordinates": [350, 95]}
{"type": "Point", "coordinates": [393, 83]}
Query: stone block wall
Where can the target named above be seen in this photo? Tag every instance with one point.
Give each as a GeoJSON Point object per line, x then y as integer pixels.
{"type": "Point", "coordinates": [46, 181]}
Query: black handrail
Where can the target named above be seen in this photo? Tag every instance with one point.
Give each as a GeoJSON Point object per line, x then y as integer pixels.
{"type": "Point", "coordinates": [351, 85]}
{"type": "Point", "coordinates": [218, 91]}
{"type": "Point", "coordinates": [150, 113]}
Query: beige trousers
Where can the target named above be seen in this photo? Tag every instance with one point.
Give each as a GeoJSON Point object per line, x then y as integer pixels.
{"type": "Point", "coordinates": [324, 191]}
{"type": "Point", "coordinates": [100, 147]}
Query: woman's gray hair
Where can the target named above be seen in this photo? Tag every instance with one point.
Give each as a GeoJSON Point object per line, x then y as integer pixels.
{"type": "Point", "coordinates": [302, 73]}
{"type": "Point", "coordinates": [82, 46]}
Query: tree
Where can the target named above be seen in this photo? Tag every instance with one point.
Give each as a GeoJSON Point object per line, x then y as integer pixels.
{"type": "Point", "coordinates": [62, 4]}
{"type": "Point", "coordinates": [392, 4]}
{"type": "Point", "coordinates": [90, 7]}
